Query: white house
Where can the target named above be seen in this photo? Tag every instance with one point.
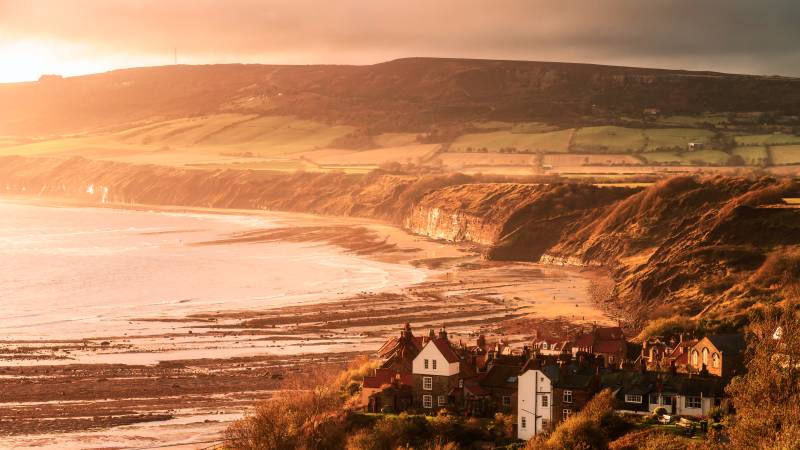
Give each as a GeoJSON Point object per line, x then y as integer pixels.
{"type": "Point", "coordinates": [436, 372]}
{"type": "Point", "coordinates": [534, 400]}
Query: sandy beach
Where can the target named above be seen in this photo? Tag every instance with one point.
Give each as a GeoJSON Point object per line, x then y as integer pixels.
{"type": "Point", "coordinates": [178, 372]}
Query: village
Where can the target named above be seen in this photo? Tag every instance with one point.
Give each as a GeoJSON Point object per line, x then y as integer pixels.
{"type": "Point", "coordinates": [678, 379]}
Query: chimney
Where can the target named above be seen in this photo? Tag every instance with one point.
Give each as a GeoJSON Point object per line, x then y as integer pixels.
{"type": "Point", "coordinates": [442, 333]}
{"type": "Point", "coordinates": [481, 342]}
{"type": "Point", "coordinates": [431, 335]}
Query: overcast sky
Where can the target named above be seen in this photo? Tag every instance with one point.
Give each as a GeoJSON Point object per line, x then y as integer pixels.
{"type": "Point", "coordinates": [82, 36]}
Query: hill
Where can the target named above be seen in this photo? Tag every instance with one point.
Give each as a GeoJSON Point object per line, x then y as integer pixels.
{"type": "Point", "coordinates": [404, 95]}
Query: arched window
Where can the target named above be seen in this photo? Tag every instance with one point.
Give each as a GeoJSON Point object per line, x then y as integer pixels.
{"type": "Point", "coordinates": [715, 360]}
{"type": "Point", "coordinates": [705, 356]}
{"type": "Point", "coordinates": [694, 358]}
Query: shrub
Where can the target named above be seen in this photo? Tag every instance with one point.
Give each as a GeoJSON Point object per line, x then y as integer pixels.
{"type": "Point", "coordinates": [589, 429]}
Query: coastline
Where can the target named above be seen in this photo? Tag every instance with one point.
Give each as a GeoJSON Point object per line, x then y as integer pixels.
{"type": "Point", "coordinates": [263, 349]}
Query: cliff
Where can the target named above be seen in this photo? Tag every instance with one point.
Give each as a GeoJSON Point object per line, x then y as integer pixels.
{"type": "Point", "coordinates": [712, 248]}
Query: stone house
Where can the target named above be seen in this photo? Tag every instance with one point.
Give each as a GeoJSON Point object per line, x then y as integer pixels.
{"type": "Point", "coordinates": [720, 355]}
{"type": "Point", "coordinates": [437, 375]}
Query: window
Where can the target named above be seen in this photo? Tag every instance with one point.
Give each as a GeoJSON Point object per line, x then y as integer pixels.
{"type": "Point", "coordinates": [427, 383]}
{"type": "Point", "coordinates": [715, 360]}
{"type": "Point", "coordinates": [426, 363]}
{"type": "Point", "coordinates": [631, 398]}
{"type": "Point", "coordinates": [442, 400]}
{"type": "Point", "coordinates": [461, 382]}
{"type": "Point", "coordinates": [523, 422]}
{"type": "Point", "coordinates": [694, 358]}
{"type": "Point", "coordinates": [666, 400]}
{"type": "Point", "coordinates": [692, 402]}
{"type": "Point", "coordinates": [566, 413]}
{"type": "Point", "coordinates": [433, 364]}
{"type": "Point", "coordinates": [427, 401]}
{"type": "Point", "coordinates": [567, 397]}
{"type": "Point", "coordinates": [705, 356]}
{"type": "Point", "coordinates": [654, 399]}
{"type": "Point", "coordinates": [545, 424]}
{"type": "Point", "coordinates": [506, 400]}
{"type": "Point", "coordinates": [545, 400]}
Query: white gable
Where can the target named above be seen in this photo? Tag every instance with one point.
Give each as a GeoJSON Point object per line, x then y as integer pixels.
{"type": "Point", "coordinates": [436, 362]}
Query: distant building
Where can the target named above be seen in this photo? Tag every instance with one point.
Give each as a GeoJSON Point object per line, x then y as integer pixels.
{"type": "Point", "coordinates": [651, 111]}
{"type": "Point", "coordinates": [607, 342]}
{"type": "Point", "coordinates": [719, 354]}
{"type": "Point", "coordinates": [696, 145]}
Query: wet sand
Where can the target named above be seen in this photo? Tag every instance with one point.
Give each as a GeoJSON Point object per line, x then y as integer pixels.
{"type": "Point", "coordinates": [204, 369]}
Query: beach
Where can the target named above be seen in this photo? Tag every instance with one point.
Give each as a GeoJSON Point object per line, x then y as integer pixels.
{"type": "Point", "coordinates": [133, 327]}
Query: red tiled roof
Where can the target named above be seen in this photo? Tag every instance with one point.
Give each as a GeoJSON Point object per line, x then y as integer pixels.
{"type": "Point", "coordinates": [609, 347]}
{"type": "Point", "coordinates": [383, 377]}
{"type": "Point", "coordinates": [476, 390]}
{"type": "Point", "coordinates": [446, 349]}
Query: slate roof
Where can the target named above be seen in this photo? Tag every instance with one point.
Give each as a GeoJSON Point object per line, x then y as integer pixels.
{"type": "Point", "coordinates": [501, 376]}
{"type": "Point", "coordinates": [728, 343]}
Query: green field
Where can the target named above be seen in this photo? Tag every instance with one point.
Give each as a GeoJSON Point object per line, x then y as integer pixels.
{"type": "Point", "coordinates": [767, 139]}
{"type": "Point", "coordinates": [785, 154]}
{"type": "Point", "coordinates": [553, 141]}
{"type": "Point", "coordinates": [713, 157]}
{"type": "Point", "coordinates": [395, 139]}
{"type": "Point", "coordinates": [608, 139]}
{"type": "Point", "coordinates": [216, 139]}
{"type": "Point", "coordinates": [675, 137]}
{"type": "Point", "coordinates": [752, 156]}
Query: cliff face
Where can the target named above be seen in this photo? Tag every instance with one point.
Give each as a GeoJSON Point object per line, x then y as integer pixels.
{"type": "Point", "coordinates": [714, 247]}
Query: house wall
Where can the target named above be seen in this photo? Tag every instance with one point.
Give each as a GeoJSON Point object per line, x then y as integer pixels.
{"type": "Point", "coordinates": [431, 353]}
{"type": "Point", "coordinates": [579, 399]}
{"type": "Point", "coordinates": [706, 403]}
{"type": "Point", "coordinates": [441, 385]}
{"type": "Point", "coordinates": [531, 387]}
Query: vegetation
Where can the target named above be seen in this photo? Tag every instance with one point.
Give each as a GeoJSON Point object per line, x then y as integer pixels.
{"type": "Point", "coordinates": [785, 154]}
{"type": "Point", "coordinates": [552, 141]}
{"type": "Point", "coordinates": [766, 398]}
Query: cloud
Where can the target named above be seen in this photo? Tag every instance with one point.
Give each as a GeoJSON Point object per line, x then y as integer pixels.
{"type": "Point", "coordinates": [727, 35]}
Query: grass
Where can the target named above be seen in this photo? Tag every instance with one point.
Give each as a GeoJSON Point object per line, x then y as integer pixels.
{"type": "Point", "coordinates": [712, 157]}
{"type": "Point", "coordinates": [395, 139]}
{"type": "Point", "coordinates": [409, 153]}
{"type": "Point", "coordinates": [767, 139]}
{"type": "Point", "coordinates": [785, 154]}
{"type": "Point", "coordinates": [608, 139]}
{"type": "Point", "coordinates": [553, 141]}
{"type": "Point", "coordinates": [658, 138]}
{"type": "Point", "coordinates": [752, 156]}
{"type": "Point", "coordinates": [216, 139]}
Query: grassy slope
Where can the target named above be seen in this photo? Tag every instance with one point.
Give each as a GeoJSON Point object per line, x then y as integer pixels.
{"type": "Point", "coordinates": [785, 154]}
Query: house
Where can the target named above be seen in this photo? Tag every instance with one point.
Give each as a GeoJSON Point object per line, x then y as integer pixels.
{"type": "Point", "coordinates": [577, 382]}
{"type": "Point", "coordinates": [535, 398]}
{"type": "Point", "coordinates": [719, 354]}
{"type": "Point", "coordinates": [386, 390]}
{"type": "Point", "coordinates": [438, 373]}
{"type": "Point", "coordinates": [500, 381]}
{"type": "Point", "coordinates": [551, 389]}
{"type": "Point", "coordinates": [696, 146]}
{"type": "Point", "coordinates": [642, 392]}
{"type": "Point", "coordinates": [607, 342]}
{"type": "Point", "coordinates": [552, 346]}
{"type": "Point", "coordinates": [398, 353]}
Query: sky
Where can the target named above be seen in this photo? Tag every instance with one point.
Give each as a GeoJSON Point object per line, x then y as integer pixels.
{"type": "Point", "coordinates": [72, 37]}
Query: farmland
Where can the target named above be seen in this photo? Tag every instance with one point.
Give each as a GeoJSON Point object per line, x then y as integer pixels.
{"type": "Point", "coordinates": [767, 139]}
{"type": "Point", "coordinates": [785, 154]}
{"type": "Point", "coordinates": [552, 141]}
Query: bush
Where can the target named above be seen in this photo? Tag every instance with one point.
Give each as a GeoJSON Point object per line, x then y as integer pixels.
{"type": "Point", "coordinates": [591, 428]}
{"type": "Point", "coordinates": [291, 420]}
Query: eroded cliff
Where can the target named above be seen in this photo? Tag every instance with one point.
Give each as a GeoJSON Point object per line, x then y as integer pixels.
{"type": "Point", "coordinates": [710, 247]}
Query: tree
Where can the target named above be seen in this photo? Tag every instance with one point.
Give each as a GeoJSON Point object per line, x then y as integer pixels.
{"type": "Point", "coordinates": [766, 398]}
